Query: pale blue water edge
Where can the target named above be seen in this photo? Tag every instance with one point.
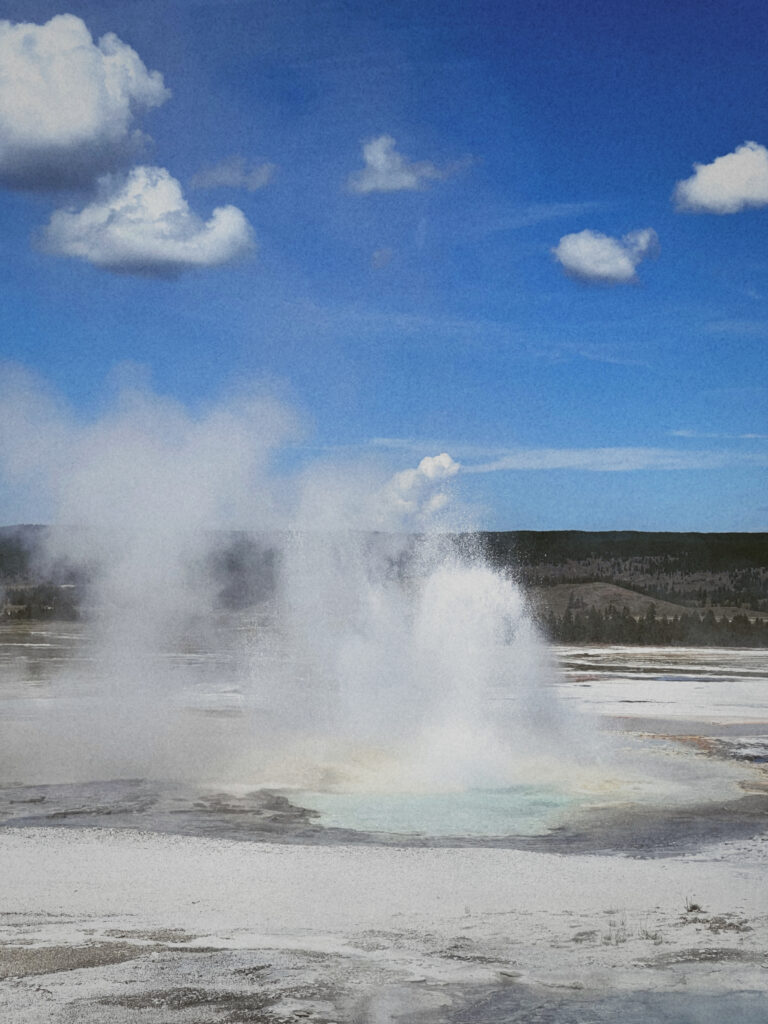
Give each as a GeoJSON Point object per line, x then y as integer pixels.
{"type": "Point", "coordinates": [520, 810]}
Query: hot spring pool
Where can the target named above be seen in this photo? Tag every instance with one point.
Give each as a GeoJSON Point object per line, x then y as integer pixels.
{"type": "Point", "coordinates": [518, 810]}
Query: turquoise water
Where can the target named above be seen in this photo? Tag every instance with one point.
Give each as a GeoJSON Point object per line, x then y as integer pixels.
{"type": "Point", "coordinates": [520, 810]}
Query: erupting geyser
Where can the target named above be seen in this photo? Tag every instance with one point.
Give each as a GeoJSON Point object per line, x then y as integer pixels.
{"type": "Point", "coordinates": [386, 656]}
{"type": "Point", "coordinates": [421, 668]}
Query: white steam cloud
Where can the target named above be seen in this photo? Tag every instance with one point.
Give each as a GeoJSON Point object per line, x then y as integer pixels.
{"type": "Point", "coordinates": [386, 170]}
{"type": "Point", "coordinates": [337, 495]}
{"type": "Point", "coordinates": [141, 490]}
{"type": "Point", "coordinates": [138, 496]}
{"type": "Point", "coordinates": [595, 258]}
{"type": "Point", "coordinates": [147, 461]}
{"type": "Point", "coordinates": [729, 184]}
{"type": "Point", "coordinates": [378, 659]}
{"type": "Point", "coordinates": [67, 104]}
{"type": "Point", "coordinates": [143, 225]}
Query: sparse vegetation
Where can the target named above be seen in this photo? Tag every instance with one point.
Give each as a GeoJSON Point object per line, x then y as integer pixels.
{"type": "Point", "coordinates": [617, 932]}
{"type": "Point", "coordinates": [613, 625]}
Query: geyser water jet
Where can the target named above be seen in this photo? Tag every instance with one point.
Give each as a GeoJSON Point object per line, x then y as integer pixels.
{"type": "Point", "coordinates": [429, 675]}
{"type": "Point", "coordinates": [389, 656]}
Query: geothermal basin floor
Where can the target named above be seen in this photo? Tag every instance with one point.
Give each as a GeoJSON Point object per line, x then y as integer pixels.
{"type": "Point", "coordinates": [640, 914]}
{"type": "Point", "coordinates": [115, 926]}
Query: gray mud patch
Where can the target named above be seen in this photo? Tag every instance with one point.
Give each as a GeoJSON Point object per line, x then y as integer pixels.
{"type": "Point", "coordinates": [706, 955]}
{"type": "Point", "coordinates": [23, 961]}
{"type": "Point", "coordinates": [154, 806]}
{"type": "Point", "coordinates": [224, 987]}
{"type": "Point", "coordinates": [172, 936]}
{"type": "Point", "coordinates": [272, 986]}
{"type": "Point", "coordinates": [245, 1005]}
{"type": "Point", "coordinates": [656, 831]}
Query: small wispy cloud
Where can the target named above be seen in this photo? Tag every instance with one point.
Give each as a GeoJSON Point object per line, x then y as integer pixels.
{"type": "Point", "coordinates": [613, 460]}
{"type": "Point", "coordinates": [745, 394]}
{"type": "Point", "coordinates": [476, 459]}
{"type": "Point", "coordinates": [386, 170]}
{"type": "Point", "coordinates": [744, 328]}
{"type": "Point", "coordinates": [598, 352]}
{"type": "Point", "coordinates": [725, 437]}
{"type": "Point", "coordinates": [537, 213]}
{"type": "Point", "coordinates": [731, 183]}
{"type": "Point", "coordinates": [381, 257]}
{"type": "Point", "coordinates": [235, 173]}
{"type": "Point", "coordinates": [530, 215]}
{"type": "Point", "coordinates": [364, 321]}
{"type": "Point", "coordinates": [594, 258]}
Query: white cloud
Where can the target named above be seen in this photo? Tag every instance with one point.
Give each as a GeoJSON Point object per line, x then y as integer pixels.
{"type": "Point", "coordinates": [481, 459]}
{"type": "Point", "coordinates": [386, 170]}
{"type": "Point", "coordinates": [613, 460]}
{"type": "Point", "coordinates": [711, 434]}
{"type": "Point", "coordinates": [599, 259]}
{"type": "Point", "coordinates": [730, 183]}
{"type": "Point", "coordinates": [417, 494]}
{"type": "Point", "coordinates": [235, 173]}
{"type": "Point", "coordinates": [493, 220]}
{"type": "Point", "coordinates": [67, 104]}
{"type": "Point", "coordinates": [750, 328]}
{"type": "Point", "coordinates": [601, 352]}
{"type": "Point", "coordinates": [143, 225]}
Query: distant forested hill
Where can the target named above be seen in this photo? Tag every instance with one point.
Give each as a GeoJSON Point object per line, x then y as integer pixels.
{"type": "Point", "coordinates": [627, 550]}
{"type": "Point", "coordinates": [613, 586]}
{"type": "Point", "coordinates": [691, 569]}
{"type": "Point", "coordinates": [633, 587]}
{"type": "Point", "coordinates": [17, 544]}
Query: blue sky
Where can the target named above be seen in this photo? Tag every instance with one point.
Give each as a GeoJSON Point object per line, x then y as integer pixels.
{"type": "Point", "coordinates": [447, 227]}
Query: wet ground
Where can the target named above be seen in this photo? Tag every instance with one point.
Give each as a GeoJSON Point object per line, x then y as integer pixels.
{"type": "Point", "coordinates": [514, 1005]}
{"type": "Point", "coordinates": [687, 706]}
{"type": "Point", "coordinates": [267, 816]}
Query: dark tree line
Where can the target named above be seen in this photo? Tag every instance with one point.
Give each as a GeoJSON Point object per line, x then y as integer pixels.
{"type": "Point", "coordinates": [617, 626]}
{"type": "Point", "coordinates": [44, 601]}
{"type": "Point", "coordinates": [696, 570]}
{"type": "Point", "coordinates": [693, 571]}
{"type": "Point", "coordinates": [681, 552]}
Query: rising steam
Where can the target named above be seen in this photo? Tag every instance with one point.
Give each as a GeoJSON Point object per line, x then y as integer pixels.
{"type": "Point", "coordinates": [385, 655]}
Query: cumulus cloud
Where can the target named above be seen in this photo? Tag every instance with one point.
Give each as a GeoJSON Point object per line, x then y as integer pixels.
{"type": "Point", "coordinates": [143, 225]}
{"type": "Point", "coordinates": [235, 173]}
{"type": "Point", "coordinates": [67, 104]}
{"type": "Point", "coordinates": [599, 259]}
{"type": "Point", "coordinates": [386, 170]}
{"type": "Point", "coordinates": [730, 183]}
{"type": "Point", "coordinates": [417, 494]}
